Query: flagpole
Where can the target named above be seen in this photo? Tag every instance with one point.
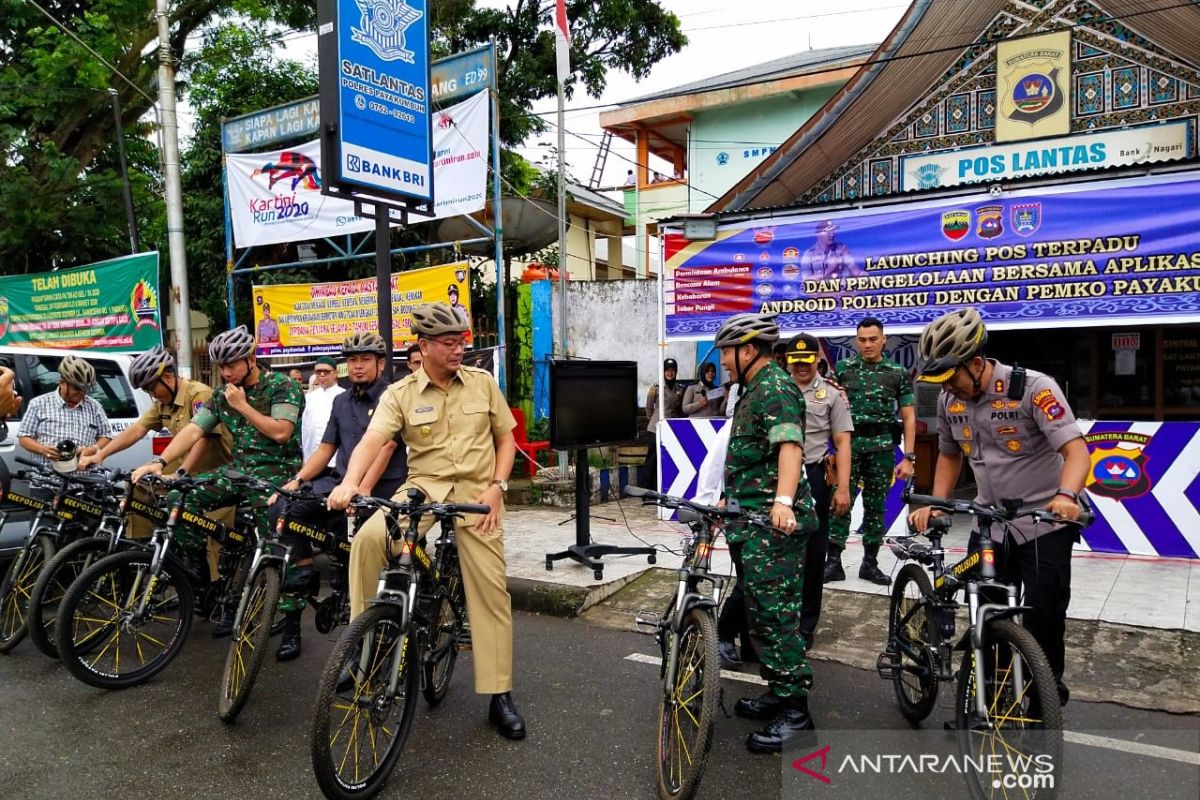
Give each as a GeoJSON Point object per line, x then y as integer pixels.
{"type": "Point", "coordinates": [562, 52]}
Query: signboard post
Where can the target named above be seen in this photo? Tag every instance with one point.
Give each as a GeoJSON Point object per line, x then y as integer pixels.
{"type": "Point", "coordinates": [376, 141]}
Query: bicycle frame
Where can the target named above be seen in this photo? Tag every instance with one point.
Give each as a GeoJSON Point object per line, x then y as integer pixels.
{"type": "Point", "coordinates": [693, 571]}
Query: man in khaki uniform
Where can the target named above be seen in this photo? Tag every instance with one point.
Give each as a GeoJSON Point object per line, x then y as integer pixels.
{"type": "Point", "coordinates": [459, 433]}
{"type": "Point", "coordinates": [176, 400]}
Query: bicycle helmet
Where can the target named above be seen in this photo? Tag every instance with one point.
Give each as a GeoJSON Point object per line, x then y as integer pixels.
{"type": "Point", "coordinates": [742, 328]}
{"type": "Point", "coordinates": [434, 319]}
{"type": "Point", "coordinates": [231, 346]}
{"type": "Point", "coordinates": [68, 456]}
{"type": "Point", "coordinates": [150, 366]}
{"type": "Point", "coordinates": [77, 372]}
{"type": "Point", "coordinates": [949, 341]}
{"type": "Point", "coordinates": [367, 342]}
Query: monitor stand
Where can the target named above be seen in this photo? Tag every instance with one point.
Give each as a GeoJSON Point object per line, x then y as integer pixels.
{"type": "Point", "coordinates": [584, 551]}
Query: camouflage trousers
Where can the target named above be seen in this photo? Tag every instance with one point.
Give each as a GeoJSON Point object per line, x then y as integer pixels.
{"type": "Point", "coordinates": [774, 573]}
{"type": "Point", "coordinates": [873, 471]}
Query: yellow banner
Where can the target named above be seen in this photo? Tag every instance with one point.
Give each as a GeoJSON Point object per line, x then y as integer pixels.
{"type": "Point", "coordinates": [314, 318]}
{"type": "Point", "coordinates": [1033, 87]}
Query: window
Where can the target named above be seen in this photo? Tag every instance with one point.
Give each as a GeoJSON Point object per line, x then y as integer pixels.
{"type": "Point", "coordinates": [111, 391]}
{"type": "Point", "coordinates": [1181, 370]}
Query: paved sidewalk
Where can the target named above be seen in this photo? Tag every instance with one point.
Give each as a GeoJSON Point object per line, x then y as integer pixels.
{"type": "Point", "coordinates": [1133, 631]}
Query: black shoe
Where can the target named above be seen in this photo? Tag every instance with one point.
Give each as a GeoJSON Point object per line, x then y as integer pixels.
{"type": "Point", "coordinates": [346, 676]}
{"type": "Point", "coordinates": [833, 568]}
{"type": "Point", "coordinates": [1064, 694]}
{"type": "Point", "coordinates": [504, 715]}
{"type": "Point", "coordinates": [224, 626]}
{"type": "Point", "coordinates": [729, 655]}
{"type": "Point", "coordinates": [302, 580]}
{"type": "Point", "coordinates": [870, 571]}
{"type": "Point", "coordinates": [792, 723]}
{"type": "Point", "coordinates": [765, 706]}
{"type": "Point", "coordinates": [289, 645]}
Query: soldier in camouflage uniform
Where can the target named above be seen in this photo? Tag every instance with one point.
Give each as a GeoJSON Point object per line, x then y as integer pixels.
{"type": "Point", "coordinates": [764, 473]}
{"type": "Point", "coordinates": [260, 409]}
{"type": "Point", "coordinates": [876, 387]}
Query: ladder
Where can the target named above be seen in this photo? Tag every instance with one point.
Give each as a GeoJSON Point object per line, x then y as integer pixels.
{"type": "Point", "coordinates": [601, 158]}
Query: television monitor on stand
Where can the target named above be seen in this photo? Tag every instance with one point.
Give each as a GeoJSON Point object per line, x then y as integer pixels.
{"type": "Point", "coordinates": [592, 404]}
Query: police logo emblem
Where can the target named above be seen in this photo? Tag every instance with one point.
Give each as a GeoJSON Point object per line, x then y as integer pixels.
{"type": "Point", "coordinates": [1013, 445]}
{"type": "Point", "coordinates": [956, 224]}
{"type": "Point", "coordinates": [957, 407]}
{"type": "Point", "coordinates": [382, 27]}
{"type": "Point", "coordinates": [819, 394]}
{"type": "Point", "coordinates": [966, 432]}
{"type": "Point", "coordinates": [1025, 218]}
{"type": "Point", "coordinates": [997, 404]}
{"type": "Point", "coordinates": [989, 222]}
{"type": "Point", "coordinates": [966, 448]}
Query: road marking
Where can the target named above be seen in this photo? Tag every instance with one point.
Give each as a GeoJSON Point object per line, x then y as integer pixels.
{"type": "Point", "coordinates": [1086, 739]}
{"type": "Point", "coordinates": [1126, 746]}
{"type": "Point", "coordinates": [642, 658]}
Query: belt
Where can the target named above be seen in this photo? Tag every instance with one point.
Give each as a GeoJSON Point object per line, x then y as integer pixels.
{"type": "Point", "coordinates": [874, 429]}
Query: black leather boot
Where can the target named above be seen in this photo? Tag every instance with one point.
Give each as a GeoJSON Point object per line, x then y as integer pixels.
{"type": "Point", "coordinates": [870, 571]}
{"type": "Point", "coordinates": [793, 723]}
{"type": "Point", "coordinates": [304, 581]}
{"type": "Point", "coordinates": [765, 706]}
{"type": "Point", "coordinates": [833, 565]}
{"type": "Point", "coordinates": [289, 645]}
{"type": "Point", "coordinates": [504, 715]}
{"type": "Point", "coordinates": [224, 626]}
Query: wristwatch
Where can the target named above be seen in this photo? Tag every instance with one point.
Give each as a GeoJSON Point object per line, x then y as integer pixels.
{"type": "Point", "coordinates": [784, 500]}
{"type": "Point", "coordinates": [502, 484]}
{"type": "Point", "coordinates": [1069, 494]}
{"type": "Point", "coordinates": [911, 457]}
{"type": "Point", "coordinates": [162, 462]}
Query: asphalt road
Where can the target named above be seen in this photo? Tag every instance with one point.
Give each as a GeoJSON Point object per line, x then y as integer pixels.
{"type": "Point", "coordinates": [591, 711]}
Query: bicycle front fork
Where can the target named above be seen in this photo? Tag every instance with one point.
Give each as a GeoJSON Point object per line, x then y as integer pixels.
{"type": "Point", "coordinates": [980, 641]}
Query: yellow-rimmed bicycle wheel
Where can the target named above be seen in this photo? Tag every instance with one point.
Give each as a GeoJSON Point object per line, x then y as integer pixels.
{"type": "Point", "coordinates": [687, 708]}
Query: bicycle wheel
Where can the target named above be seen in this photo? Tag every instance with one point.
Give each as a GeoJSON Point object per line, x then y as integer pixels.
{"type": "Point", "coordinates": [47, 595]}
{"type": "Point", "coordinates": [913, 636]}
{"type": "Point", "coordinates": [16, 588]}
{"type": "Point", "coordinates": [687, 710]}
{"type": "Point", "coordinates": [359, 728]}
{"type": "Point", "coordinates": [248, 644]}
{"type": "Point", "coordinates": [119, 624]}
{"type": "Point", "coordinates": [443, 651]}
{"type": "Point", "coordinates": [1019, 752]}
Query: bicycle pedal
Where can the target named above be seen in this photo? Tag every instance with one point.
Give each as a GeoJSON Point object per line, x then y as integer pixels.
{"type": "Point", "coordinates": [887, 665]}
{"type": "Point", "coordinates": [462, 641]}
{"type": "Point", "coordinates": [647, 622]}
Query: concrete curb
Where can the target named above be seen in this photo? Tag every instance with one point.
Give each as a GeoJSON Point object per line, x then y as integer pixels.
{"type": "Point", "coordinates": [560, 599]}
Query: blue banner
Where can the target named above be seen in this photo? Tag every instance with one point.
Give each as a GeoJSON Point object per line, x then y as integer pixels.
{"type": "Point", "coordinates": [1091, 256]}
{"type": "Point", "coordinates": [383, 89]}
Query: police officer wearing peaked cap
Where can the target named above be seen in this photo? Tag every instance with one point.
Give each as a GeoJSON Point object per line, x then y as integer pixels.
{"type": "Point", "coordinates": [1029, 447]}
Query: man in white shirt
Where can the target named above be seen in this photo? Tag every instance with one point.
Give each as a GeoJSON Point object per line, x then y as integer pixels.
{"type": "Point", "coordinates": [318, 404]}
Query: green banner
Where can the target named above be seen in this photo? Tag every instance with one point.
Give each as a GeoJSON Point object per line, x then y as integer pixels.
{"type": "Point", "coordinates": [112, 305]}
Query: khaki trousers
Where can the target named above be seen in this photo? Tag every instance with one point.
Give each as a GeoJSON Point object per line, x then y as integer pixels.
{"type": "Point", "coordinates": [489, 607]}
{"type": "Point", "coordinates": [138, 527]}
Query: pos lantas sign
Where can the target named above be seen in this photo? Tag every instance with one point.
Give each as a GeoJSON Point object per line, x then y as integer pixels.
{"type": "Point", "coordinates": [375, 121]}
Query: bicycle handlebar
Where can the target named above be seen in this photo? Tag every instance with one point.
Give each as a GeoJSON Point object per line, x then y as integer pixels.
{"type": "Point", "coordinates": [305, 491]}
{"type": "Point", "coordinates": [731, 511]}
{"type": "Point", "coordinates": [1010, 509]}
{"type": "Point", "coordinates": [416, 508]}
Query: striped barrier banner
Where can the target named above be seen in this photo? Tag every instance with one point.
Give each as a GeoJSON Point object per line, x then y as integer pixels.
{"type": "Point", "coordinates": [1144, 482]}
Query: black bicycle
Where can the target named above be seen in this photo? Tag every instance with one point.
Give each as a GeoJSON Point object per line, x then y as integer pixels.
{"type": "Point", "coordinates": [687, 636]}
{"type": "Point", "coordinates": [1007, 699]}
{"type": "Point", "coordinates": [127, 616]}
{"type": "Point", "coordinates": [69, 512]}
{"type": "Point", "coordinates": [252, 626]}
{"type": "Point", "coordinates": [406, 641]}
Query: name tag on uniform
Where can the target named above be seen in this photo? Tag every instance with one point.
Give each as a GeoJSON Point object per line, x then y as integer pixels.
{"type": "Point", "coordinates": [423, 410]}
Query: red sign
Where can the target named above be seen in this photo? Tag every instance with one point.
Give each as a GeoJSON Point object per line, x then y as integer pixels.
{"type": "Point", "coordinates": [1126, 341]}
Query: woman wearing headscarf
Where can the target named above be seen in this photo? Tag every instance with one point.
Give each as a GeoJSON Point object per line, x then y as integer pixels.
{"type": "Point", "coordinates": [705, 398]}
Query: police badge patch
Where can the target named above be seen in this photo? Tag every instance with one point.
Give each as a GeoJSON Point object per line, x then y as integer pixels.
{"type": "Point", "coordinates": [989, 222]}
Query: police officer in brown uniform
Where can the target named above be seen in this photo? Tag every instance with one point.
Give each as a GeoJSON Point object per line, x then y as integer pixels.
{"type": "Point", "coordinates": [459, 433]}
{"type": "Point", "coordinates": [1022, 441]}
{"type": "Point", "coordinates": [673, 392]}
{"type": "Point", "coordinates": [827, 428]}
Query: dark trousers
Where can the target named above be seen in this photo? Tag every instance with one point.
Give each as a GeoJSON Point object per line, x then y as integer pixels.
{"type": "Point", "coordinates": [734, 622]}
{"type": "Point", "coordinates": [1042, 569]}
{"type": "Point", "coordinates": [650, 467]}
{"type": "Point", "coordinates": [818, 548]}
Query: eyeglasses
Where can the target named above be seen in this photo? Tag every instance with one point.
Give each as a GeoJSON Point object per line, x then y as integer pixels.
{"type": "Point", "coordinates": [453, 343]}
{"type": "Point", "coordinates": [323, 371]}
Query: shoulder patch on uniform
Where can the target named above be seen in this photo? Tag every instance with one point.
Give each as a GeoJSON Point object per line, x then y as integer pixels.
{"type": "Point", "coordinates": [196, 406]}
{"type": "Point", "coordinates": [1049, 404]}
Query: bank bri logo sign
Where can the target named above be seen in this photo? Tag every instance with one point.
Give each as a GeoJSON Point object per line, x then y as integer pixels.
{"type": "Point", "coordinates": [375, 60]}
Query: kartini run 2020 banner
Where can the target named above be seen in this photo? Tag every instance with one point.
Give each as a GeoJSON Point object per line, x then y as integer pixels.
{"type": "Point", "coordinates": [1067, 257]}
{"type": "Point", "coordinates": [314, 318]}
{"type": "Point", "coordinates": [276, 196]}
{"type": "Point", "coordinates": [111, 305]}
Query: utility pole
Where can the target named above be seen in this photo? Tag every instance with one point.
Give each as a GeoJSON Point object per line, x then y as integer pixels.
{"type": "Point", "coordinates": [180, 306]}
{"type": "Point", "coordinates": [130, 219]}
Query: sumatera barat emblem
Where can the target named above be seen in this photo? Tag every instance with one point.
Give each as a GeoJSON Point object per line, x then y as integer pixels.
{"type": "Point", "coordinates": [382, 27]}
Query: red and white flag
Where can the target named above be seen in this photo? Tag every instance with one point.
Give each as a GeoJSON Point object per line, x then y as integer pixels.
{"type": "Point", "coordinates": [562, 36]}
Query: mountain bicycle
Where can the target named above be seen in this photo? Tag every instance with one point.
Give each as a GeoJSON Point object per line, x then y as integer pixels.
{"type": "Point", "coordinates": [68, 513]}
{"type": "Point", "coordinates": [687, 635]}
{"type": "Point", "coordinates": [100, 531]}
{"type": "Point", "coordinates": [406, 641]}
{"type": "Point", "coordinates": [252, 626]}
{"type": "Point", "coordinates": [127, 616]}
{"type": "Point", "coordinates": [1007, 699]}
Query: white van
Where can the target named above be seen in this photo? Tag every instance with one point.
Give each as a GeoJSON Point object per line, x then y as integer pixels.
{"type": "Point", "coordinates": [37, 373]}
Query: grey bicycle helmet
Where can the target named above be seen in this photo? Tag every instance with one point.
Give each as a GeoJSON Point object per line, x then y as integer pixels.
{"type": "Point", "coordinates": [950, 340]}
{"type": "Point", "coordinates": [77, 372]}
{"type": "Point", "coordinates": [434, 319]}
{"type": "Point", "coordinates": [231, 346]}
{"type": "Point", "coordinates": [742, 328]}
{"type": "Point", "coordinates": [361, 342]}
{"type": "Point", "coordinates": [150, 366]}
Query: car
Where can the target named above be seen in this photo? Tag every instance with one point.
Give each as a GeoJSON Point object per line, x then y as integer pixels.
{"type": "Point", "coordinates": [36, 374]}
